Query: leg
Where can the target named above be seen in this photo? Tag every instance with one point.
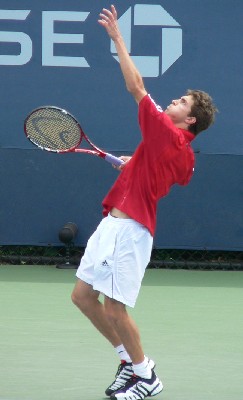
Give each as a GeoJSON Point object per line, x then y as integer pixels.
{"type": "Point", "coordinates": [139, 386]}
{"type": "Point", "coordinates": [86, 299]}
{"type": "Point", "coordinates": [125, 328]}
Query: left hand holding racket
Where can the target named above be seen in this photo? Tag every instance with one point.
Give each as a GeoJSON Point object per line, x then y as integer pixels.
{"type": "Point", "coordinates": [125, 160]}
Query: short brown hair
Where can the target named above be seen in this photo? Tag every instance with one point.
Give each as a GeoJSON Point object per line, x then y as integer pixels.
{"type": "Point", "coordinates": [203, 110]}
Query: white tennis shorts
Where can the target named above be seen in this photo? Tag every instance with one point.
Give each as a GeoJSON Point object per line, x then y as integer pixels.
{"type": "Point", "coordinates": [115, 259]}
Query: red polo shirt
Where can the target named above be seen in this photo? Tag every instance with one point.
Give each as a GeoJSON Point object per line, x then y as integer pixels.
{"type": "Point", "coordinates": [164, 157]}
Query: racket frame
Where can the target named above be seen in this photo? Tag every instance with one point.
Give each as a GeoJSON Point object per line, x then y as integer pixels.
{"type": "Point", "coordinates": [74, 149]}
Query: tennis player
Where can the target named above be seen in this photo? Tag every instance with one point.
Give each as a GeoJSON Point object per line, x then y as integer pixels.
{"type": "Point", "coordinates": [118, 252]}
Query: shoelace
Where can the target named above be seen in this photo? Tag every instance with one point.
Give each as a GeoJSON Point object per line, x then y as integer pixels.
{"type": "Point", "coordinates": [123, 375]}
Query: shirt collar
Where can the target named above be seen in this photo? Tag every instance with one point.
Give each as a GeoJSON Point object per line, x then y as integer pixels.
{"type": "Point", "coordinates": [188, 135]}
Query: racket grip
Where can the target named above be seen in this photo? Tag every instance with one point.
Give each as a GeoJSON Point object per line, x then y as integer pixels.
{"type": "Point", "coordinates": [113, 159]}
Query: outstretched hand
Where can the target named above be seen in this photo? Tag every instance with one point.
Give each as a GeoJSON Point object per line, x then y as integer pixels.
{"type": "Point", "coordinates": [108, 19]}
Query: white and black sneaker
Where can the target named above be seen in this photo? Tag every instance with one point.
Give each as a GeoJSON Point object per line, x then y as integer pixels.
{"type": "Point", "coordinates": [124, 376]}
{"type": "Point", "coordinates": [139, 388]}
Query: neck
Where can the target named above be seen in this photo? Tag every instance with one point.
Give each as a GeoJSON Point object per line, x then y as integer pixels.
{"type": "Point", "coordinates": [182, 125]}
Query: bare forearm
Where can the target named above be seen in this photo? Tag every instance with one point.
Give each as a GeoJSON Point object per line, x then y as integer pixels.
{"type": "Point", "coordinates": [133, 79]}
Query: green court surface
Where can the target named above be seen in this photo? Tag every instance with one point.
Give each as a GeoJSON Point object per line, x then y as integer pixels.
{"type": "Point", "coordinates": [191, 324]}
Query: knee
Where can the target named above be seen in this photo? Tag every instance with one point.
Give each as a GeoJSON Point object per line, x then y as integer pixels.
{"type": "Point", "coordinates": [110, 315]}
{"type": "Point", "coordinates": [75, 298]}
{"type": "Point", "coordinates": [114, 311]}
{"type": "Point", "coordinates": [78, 300]}
{"type": "Point", "coordinates": [85, 299]}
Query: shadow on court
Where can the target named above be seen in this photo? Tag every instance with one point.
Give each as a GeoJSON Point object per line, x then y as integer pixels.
{"type": "Point", "coordinates": [190, 321]}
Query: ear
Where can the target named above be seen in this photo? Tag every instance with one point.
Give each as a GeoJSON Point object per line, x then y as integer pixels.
{"type": "Point", "coordinates": [190, 120]}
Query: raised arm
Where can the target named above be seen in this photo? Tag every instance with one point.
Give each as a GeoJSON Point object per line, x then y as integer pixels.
{"type": "Point", "coordinates": [133, 79]}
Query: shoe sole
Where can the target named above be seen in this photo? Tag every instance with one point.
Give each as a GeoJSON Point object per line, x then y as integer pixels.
{"type": "Point", "coordinates": [154, 392]}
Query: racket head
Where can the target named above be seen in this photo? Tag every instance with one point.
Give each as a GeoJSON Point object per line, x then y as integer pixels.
{"type": "Point", "coordinates": [53, 129]}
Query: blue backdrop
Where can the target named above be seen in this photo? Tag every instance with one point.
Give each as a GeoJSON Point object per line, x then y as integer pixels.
{"type": "Point", "coordinates": [57, 54]}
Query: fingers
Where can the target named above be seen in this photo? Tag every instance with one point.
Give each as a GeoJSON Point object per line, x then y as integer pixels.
{"type": "Point", "coordinates": [107, 15]}
{"type": "Point", "coordinates": [118, 167]}
{"type": "Point", "coordinates": [110, 13]}
{"type": "Point", "coordinates": [125, 160]}
{"type": "Point", "coordinates": [113, 10]}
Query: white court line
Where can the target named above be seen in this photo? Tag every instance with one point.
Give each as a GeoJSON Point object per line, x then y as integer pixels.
{"type": "Point", "coordinates": [10, 398]}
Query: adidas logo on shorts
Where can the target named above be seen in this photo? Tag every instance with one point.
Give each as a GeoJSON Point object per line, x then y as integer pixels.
{"type": "Point", "coordinates": [104, 263]}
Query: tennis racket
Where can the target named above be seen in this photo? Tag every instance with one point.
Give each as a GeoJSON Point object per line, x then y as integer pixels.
{"type": "Point", "coordinates": [54, 129]}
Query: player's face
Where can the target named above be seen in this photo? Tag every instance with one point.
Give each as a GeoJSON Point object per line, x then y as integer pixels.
{"type": "Point", "coordinates": [180, 109]}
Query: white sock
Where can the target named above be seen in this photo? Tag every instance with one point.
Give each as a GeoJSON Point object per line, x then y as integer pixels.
{"type": "Point", "coordinates": [123, 354]}
{"type": "Point", "coordinates": [143, 370]}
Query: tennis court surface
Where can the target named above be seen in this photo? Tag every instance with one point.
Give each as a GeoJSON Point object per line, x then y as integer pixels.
{"type": "Point", "coordinates": [191, 324]}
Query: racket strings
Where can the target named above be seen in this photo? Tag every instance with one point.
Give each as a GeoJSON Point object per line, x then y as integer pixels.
{"type": "Point", "coordinates": [53, 129]}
